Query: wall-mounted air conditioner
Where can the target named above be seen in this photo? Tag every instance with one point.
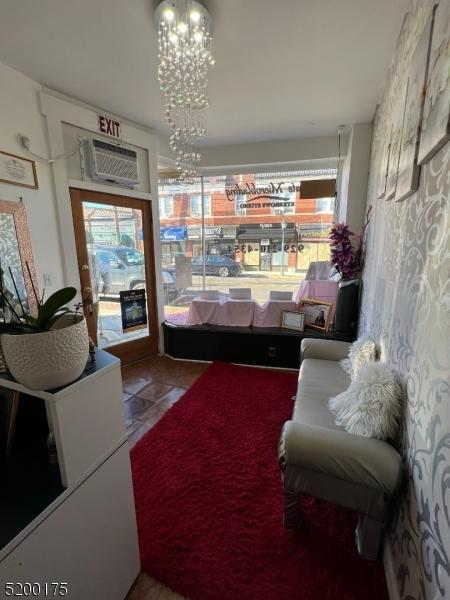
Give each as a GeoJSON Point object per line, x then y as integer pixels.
{"type": "Point", "coordinates": [111, 163]}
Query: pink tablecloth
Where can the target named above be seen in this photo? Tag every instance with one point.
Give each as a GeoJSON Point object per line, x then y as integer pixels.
{"type": "Point", "coordinates": [269, 314]}
{"type": "Point", "coordinates": [237, 313]}
{"type": "Point", "coordinates": [322, 290]}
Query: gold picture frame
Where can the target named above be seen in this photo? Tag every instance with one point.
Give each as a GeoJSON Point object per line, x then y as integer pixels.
{"type": "Point", "coordinates": [317, 312]}
{"type": "Point", "coordinates": [18, 170]}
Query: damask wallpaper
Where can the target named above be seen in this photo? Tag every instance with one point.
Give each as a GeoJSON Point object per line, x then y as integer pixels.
{"type": "Point", "coordinates": [406, 309]}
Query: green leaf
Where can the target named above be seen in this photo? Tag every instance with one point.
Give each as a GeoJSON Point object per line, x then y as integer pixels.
{"type": "Point", "coordinates": [15, 328]}
{"type": "Point", "coordinates": [52, 305]}
{"type": "Point", "coordinates": [31, 320]}
{"type": "Point", "coordinates": [61, 313]}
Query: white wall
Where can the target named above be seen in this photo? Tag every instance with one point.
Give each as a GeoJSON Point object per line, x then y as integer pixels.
{"type": "Point", "coordinates": [59, 111]}
{"type": "Point", "coordinates": [28, 109]}
{"type": "Point", "coordinates": [20, 114]}
{"type": "Point", "coordinates": [307, 153]}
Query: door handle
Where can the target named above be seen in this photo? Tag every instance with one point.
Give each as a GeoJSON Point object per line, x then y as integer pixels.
{"type": "Point", "coordinates": [88, 300]}
{"type": "Point", "coordinates": [85, 267]}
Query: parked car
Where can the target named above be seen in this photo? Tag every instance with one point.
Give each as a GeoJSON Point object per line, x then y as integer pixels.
{"type": "Point", "coordinates": [216, 265]}
{"type": "Point", "coordinates": [127, 270]}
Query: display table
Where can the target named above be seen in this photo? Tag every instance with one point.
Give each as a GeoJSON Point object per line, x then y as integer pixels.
{"type": "Point", "coordinates": [270, 313]}
{"type": "Point", "coordinates": [87, 535]}
{"type": "Point", "coordinates": [320, 290]}
{"type": "Point", "coordinates": [238, 313]}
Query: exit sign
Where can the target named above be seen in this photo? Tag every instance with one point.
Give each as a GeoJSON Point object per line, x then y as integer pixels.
{"type": "Point", "coordinates": [109, 126]}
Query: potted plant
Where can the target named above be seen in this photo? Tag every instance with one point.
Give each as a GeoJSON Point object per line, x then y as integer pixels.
{"type": "Point", "coordinates": [49, 349]}
{"type": "Point", "coordinates": [346, 258]}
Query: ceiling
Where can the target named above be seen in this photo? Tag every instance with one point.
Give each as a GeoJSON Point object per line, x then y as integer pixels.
{"type": "Point", "coordinates": [284, 69]}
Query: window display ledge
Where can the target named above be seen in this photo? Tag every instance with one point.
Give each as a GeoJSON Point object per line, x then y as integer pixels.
{"type": "Point", "coordinates": [262, 346]}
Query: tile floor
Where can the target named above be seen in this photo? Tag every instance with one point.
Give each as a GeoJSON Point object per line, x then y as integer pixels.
{"type": "Point", "coordinates": [150, 388]}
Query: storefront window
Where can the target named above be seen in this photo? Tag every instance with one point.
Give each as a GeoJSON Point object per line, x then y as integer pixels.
{"type": "Point", "coordinates": [240, 208]}
{"type": "Point", "coordinates": [259, 232]}
{"type": "Point", "coordinates": [196, 206]}
{"type": "Point", "coordinates": [325, 205]}
{"type": "Point", "coordinates": [166, 207]}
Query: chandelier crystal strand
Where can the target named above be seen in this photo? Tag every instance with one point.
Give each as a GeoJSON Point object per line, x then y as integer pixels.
{"type": "Point", "coordinates": [184, 40]}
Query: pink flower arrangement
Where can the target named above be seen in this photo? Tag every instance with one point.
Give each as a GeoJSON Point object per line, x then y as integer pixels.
{"type": "Point", "coordinates": [344, 256]}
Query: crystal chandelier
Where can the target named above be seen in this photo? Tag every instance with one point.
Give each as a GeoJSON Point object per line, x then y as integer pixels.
{"type": "Point", "coordinates": [184, 39]}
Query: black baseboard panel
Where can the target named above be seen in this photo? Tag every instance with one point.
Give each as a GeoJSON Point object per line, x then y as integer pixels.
{"type": "Point", "coordinates": [272, 347]}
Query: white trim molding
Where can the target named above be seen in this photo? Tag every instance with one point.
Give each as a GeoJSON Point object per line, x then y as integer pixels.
{"type": "Point", "coordinates": [59, 110]}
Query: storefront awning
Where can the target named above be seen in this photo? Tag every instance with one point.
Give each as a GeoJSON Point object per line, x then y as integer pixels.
{"type": "Point", "coordinates": [263, 231]}
{"type": "Point", "coordinates": [212, 232]}
{"type": "Point", "coordinates": [172, 234]}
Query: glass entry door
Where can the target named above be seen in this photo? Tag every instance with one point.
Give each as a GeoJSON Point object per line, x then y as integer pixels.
{"type": "Point", "coordinates": [115, 257]}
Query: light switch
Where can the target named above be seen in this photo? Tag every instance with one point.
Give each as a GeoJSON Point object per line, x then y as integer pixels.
{"type": "Point", "coordinates": [47, 280]}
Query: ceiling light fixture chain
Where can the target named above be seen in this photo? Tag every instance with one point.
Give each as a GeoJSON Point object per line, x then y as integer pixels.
{"type": "Point", "coordinates": [184, 54]}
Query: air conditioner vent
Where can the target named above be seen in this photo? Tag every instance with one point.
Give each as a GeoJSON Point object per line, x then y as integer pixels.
{"type": "Point", "coordinates": [112, 163]}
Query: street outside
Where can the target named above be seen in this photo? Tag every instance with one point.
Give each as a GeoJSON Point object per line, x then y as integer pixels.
{"type": "Point", "coordinates": [260, 283]}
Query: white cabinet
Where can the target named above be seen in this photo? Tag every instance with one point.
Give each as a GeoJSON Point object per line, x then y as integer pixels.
{"type": "Point", "coordinates": [87, 537]}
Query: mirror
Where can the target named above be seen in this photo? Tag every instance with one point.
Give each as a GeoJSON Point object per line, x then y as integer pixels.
{"type": "Point", "coordinates": [16, 258]}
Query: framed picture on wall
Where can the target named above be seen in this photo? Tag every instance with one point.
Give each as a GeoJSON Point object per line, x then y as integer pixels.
{"type": "Point", "coordinates": [317, 314]}
{"type": "Point", "coordinates": [384, 167]}
{"type": "Point", "coordinates": [18, 170]}
{"type": "Point", "coordinates": [436, 112]}
{"type": "Point", "coordinates": [408, 168]}
{"type": "Point", "coordinates": [396, 139]}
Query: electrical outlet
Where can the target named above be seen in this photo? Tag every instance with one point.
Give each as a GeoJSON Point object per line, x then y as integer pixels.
{"type": "Point", "coordinates": [272, 351]}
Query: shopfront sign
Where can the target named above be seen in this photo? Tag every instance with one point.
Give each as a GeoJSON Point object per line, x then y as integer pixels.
{"type": "Point", "coordinates": [265, 230]}
{"type": "Point", "coordinates": [270, 191]}
{"type": "Point", "coordinates": [172, 234]}
{"type": "Point", "coordinates": [271, 195]}
{"type": "Point", "coordinates": [212, 232]}
{"type": "Point", "coordinates": [314, 231]}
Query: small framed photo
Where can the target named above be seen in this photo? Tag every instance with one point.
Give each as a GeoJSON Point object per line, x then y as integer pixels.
{"type": "Point", "coordinates": [293, 320]}
{"type": "Point", "coordinates": [317, 314]}
{"type": "Point", "coordinates": [18, 170]}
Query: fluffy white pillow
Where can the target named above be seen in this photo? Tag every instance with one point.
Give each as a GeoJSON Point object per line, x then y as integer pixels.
{"type": "Point", "coordinates": [371, 406]}
{"type": "Point", "coordinates": [346, 364]}
{"type": "Point", "coordinates": [360, 353]}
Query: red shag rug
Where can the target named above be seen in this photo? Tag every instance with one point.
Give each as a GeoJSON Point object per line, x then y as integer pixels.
{"type": "Point", "coordinates": [209, 501]}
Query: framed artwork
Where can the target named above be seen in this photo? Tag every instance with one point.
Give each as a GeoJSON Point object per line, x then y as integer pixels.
{"type": "Point", "coordinates": [396, 139]}
{"type": "Point", "coordinates": [408, 168]}
{"type": "Point", "coordinates": [18, 170]}
{"type": "Point", "coordinates": [293, 320]}
{"type": "Point", "coordinates": [317, 314]}
{"type": "Point", "coordinates": [16, 253]}
{"type": "Point", "coordinates": [436, 112]}
{"type": "Point", "coordinates": [384, 166]}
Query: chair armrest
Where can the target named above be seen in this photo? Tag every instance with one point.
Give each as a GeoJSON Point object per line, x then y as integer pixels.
{"type": "Point", "coordinates": [324, 349]}
{"type": "Point", "coordinates": [353, 458]}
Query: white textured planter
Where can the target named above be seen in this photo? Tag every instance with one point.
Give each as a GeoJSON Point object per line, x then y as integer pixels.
{"type": "Point", "coordinates": [42, 361]}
